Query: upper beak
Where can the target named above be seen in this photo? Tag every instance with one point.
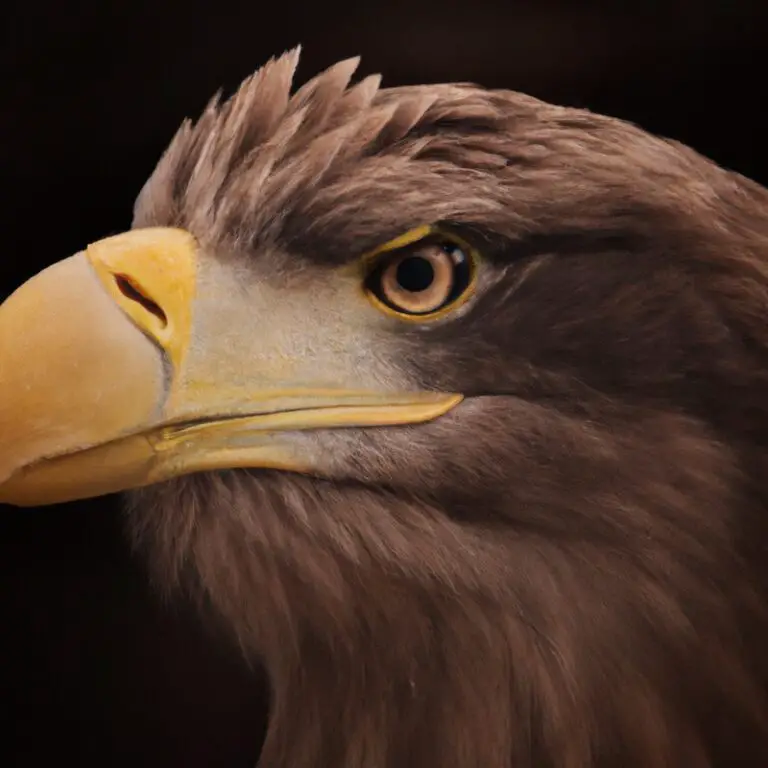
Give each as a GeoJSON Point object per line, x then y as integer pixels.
{"type": "Point", "coordinates": [111, 377]}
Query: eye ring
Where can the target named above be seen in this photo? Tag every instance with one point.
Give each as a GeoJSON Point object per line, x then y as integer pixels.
{"type": "Point", "coordinates": [424, 279]}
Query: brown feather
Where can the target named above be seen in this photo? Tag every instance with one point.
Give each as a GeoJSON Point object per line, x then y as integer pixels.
{"type": "Point", "coordinates": [569, 569]}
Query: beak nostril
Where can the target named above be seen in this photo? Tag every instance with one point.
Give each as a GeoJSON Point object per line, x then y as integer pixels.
{"type": "Point", "coordinates": [131, 291]}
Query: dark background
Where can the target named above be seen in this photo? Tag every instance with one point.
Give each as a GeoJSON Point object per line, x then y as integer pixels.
{"type": "Point", "coordinates": [95, 670]}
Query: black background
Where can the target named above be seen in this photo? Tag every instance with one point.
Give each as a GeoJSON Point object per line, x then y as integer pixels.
{"type": "Point", "coordinates": [95, 670]}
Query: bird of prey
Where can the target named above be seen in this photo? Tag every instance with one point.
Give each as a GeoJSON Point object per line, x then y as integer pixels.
{"type": "Point", "coordinates": [449, 403]}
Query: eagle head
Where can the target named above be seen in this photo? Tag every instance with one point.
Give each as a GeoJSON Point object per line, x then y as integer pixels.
{"type": "Point", "coordinates": [449, 403]}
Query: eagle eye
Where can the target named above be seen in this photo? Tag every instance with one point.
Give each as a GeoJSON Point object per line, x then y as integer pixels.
{"type": "Point", "coordinates": [422, 279]}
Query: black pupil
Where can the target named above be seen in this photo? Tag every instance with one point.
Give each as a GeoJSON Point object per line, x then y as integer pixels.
{"type": "Point", "coordinates": [415, 274]}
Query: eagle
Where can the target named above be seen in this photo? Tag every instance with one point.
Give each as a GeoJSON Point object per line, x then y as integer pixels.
{"type": "Point", "coordinates": [449, 404]}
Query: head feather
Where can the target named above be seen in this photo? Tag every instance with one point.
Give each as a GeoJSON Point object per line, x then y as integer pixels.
{"type": "Point", "coordinates": [338, 168]}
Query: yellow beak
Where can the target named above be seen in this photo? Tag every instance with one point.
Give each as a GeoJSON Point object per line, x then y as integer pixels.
{"type": "Point", "coordinates": [112, 376]}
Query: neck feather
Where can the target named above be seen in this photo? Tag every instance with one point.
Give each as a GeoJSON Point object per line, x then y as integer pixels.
{"type": "Point", "coordinates": [394, 636]}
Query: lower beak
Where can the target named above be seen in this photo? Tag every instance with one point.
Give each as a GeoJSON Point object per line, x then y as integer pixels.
{"type": "Point", "coordinates": [100, 360]}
